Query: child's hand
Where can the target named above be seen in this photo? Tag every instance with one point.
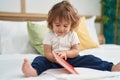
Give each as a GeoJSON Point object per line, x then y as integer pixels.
{"type": "Point", "coordinates": [62, 54]}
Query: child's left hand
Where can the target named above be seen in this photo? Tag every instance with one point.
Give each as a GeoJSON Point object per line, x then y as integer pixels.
{"type": "Point", "coordinates": [62, 54]}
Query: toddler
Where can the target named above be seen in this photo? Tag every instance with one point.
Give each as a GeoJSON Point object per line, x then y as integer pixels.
{"type": "Point", "coordinates": [61, 39]}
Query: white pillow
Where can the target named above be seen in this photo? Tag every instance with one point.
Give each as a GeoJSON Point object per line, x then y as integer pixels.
{"type": "Point", "coordinates": [14, 38]}
{"type": "Point", "coordinates": [0, 44]}
{"type": "Point", "coordinates": [0, 38]}
{"type": "Point", "coordinates": [90, 22]}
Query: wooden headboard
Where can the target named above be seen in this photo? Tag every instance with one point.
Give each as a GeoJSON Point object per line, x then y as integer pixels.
{"type": "Point", "coordinates": [29, 17]}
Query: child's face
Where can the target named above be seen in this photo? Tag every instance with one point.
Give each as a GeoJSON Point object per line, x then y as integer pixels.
{"type": "Point", "coordinates": [61, 28]}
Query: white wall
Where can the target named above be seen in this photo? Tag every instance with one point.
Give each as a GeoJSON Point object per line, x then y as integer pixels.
{"type": "Point", "coordinates": [84, 7]}
{"type": "Point", "coordinates": [10, 6]}
{"type": "Point", "coordinates": [40, 6]}
{"type": "Point", "coordinates": [88, 7]}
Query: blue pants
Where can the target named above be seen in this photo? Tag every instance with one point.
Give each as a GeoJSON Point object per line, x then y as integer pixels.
{"type": "Point", "coordinates": [41, 64]}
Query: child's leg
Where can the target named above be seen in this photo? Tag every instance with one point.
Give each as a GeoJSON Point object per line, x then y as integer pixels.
{"type": "Point", "coordinates": [90, 61]}
{"type": "Point", "coordinates": [41, 64]}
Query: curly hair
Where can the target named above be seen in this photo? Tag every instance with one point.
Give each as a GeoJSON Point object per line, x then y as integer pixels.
{"type": "Point", "coordinates": [63, 10]}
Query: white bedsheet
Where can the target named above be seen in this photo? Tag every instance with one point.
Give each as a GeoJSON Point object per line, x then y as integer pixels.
{"type": "Point", "coordinates": [10, 66]}
{"type": "Point", "coordinates": [108, 52]}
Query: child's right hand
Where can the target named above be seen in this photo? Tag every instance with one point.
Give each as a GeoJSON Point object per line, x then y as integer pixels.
{"type": "Point", "coordinates": [62, 54]}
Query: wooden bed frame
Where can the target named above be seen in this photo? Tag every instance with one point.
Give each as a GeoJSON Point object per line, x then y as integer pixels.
{"type": "Point", "coordinates": [30, 17]}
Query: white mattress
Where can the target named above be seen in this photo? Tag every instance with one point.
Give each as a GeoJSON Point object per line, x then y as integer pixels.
{"type": "Point", "coordinates": [10, 66]}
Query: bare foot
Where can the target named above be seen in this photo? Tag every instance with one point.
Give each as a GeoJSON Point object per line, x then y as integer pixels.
{"type": "Point", "coordinates": [116, 67]}
{"type": "Point", "coordinates": [28, 70]}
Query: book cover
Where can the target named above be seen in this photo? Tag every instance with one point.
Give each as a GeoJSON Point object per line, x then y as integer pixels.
{"type": "Point", "coordinates": [65, 64]}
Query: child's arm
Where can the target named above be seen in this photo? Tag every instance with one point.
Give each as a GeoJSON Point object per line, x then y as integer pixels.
{"type": "Point", "coordinates": [73, 52]}
{"type": "Point", "coordinates": [48, 53]}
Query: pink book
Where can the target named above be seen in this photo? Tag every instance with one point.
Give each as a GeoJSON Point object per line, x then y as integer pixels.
{"type": "Point", "coordinates": [65, 64]}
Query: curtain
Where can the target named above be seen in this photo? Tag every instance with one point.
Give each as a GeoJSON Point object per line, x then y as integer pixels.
{"type": "Point", "coordinates": [111, 21]}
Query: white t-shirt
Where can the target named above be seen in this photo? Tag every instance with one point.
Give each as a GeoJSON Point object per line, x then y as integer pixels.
{"type": "Point", "coordinates": [60, 43]}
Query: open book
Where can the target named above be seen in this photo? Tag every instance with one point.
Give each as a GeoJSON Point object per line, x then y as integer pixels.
{"type": "Point", "coordinates": [65, 64]}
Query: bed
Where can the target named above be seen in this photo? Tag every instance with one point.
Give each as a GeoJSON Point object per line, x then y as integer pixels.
{"type": "Point", "coordinates": [15, 45]}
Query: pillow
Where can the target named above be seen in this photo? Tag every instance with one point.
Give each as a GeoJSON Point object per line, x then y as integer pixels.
{"type": "Point", "coordinates": [37, 31]}
{"type": "Point", "coordinates": [86, 41]}
{"type": "Point", "coordinates": [14, 38]}
{"type": "Point", "coordinates": [0, 38]}
{"type": "Point", "coordinates": [90, 23]}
